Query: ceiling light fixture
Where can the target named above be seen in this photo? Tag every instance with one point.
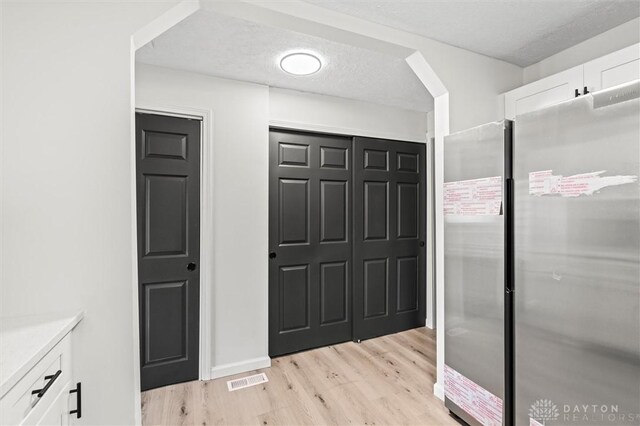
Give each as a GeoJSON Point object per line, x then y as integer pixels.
{"type": "Point", "coordinates": [300, 64]}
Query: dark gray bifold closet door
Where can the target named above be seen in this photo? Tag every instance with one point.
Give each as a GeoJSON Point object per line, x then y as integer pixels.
{"type": "Point", "coordinates": [389, 256]}
{"type": "Point", "coordinates": [310, 241]}
{"type": "Point", "coordinates": [168, 201]}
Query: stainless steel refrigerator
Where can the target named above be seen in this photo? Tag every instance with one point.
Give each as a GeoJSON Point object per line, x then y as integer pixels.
{"type": "Point", "coordinates": [577, 261]}
{"type": "Point", "coordinates": [476, 167]}
{"type": "Point", "coordinates": [542, 265]}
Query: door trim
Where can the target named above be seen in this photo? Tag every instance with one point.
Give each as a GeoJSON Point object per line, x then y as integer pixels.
{"type": "Point", "coordinates": [430, 320]}
{"type": "Point", "coordinates": [206, 221]}
{"type": "Point", "coordinates": [343, 131]}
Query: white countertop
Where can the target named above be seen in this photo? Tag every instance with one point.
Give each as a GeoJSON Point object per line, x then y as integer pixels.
{"type": "Point", "coordinates": [24, 340]}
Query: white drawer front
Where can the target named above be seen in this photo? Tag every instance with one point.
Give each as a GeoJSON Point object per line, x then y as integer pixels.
{"type": "Point", "coordinates": [19, 405]}
{"type": "Point", "coordinates": [57, 413]}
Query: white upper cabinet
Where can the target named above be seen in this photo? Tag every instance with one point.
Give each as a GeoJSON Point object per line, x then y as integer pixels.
{"type": "Point", "coordinates": [545, 92]}
{"type": "Point", "coordinates": [610, 70]}
{"type": "Point", "coordinates": [614, 69]}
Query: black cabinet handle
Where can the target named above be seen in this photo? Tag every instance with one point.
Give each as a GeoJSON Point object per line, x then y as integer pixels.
{"type": "Point", "coordinates": [40, 392]}
{"type": "Point", "coordinates": [78, 392]}
{"type": "Point", "coordinates": [272, 255]}
{"type": "Point", "coordinates": [421, 243]}
{"type": "Point", "coordinates": [191, 266]}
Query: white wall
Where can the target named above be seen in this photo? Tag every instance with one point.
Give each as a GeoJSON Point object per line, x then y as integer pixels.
{"type": "Point", "coordinates": [600, 45]}
{"type": "Point", "coordinates": [240, 175]}
{"type": "Point", "coordinates": [314, 112]}
{"type": "Point", "coordinates": [66, 183]}
{"type": "Point", "coordinates": [430, 125]}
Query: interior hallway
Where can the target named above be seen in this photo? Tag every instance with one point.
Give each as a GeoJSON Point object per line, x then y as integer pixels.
{"type": "Point", "coordinates": [387, 380]}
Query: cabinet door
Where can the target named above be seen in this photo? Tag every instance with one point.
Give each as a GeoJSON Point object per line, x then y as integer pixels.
{"type": "Point", "coordinates": [542, 93]}
{"type": "Point", "coordinates": [57, 413]}
{"type": "Point", "coordinates": [611, 70]}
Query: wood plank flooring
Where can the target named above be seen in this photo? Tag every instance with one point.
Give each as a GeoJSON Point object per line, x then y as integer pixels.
{"type": "Point", "coordinates": [383, 381]}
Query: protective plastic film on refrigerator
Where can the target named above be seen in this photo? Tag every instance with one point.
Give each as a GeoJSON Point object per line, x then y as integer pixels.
{"type": "Point", "coordinates": [474, 169]}
{"type": "Point", "coordinates": [577, 261]}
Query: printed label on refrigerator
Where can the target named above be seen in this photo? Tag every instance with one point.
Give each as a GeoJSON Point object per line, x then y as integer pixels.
{"type": "Point", "coordinates": [484, 406]}
{"type": "Point", "coordinates": [475, 197]}
{"type": "Point", "coordinates": [544, 182]}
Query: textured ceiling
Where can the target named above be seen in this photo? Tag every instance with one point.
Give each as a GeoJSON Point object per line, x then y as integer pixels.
{"type": "Point", "coordinates": [228, 47]}
{"type": "Point", "coordinates": [522, 32]}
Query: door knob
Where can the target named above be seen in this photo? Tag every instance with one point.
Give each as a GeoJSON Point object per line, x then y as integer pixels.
{"type": "Point", "coordinates": [191, 266]}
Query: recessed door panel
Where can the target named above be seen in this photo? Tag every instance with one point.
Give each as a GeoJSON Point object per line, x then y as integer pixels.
{"type": "Point", "coordinates": [389, 259]}
{"type": "Point", "coordinates": [333, 211]}
{"type": "Point", "coordinates": [333, 157]}
{"type": "Point", "coordinates": [165, 145]}
{"type": "Point", "coordinates": [294, 296]}
{"type": "Point", "coordinates": [375, 159]}
{"type": "Point", "coordinates": [375, 210]}
{"type": "Point", "coordinates": [166, 221]}
{"type": "Point", "coordinates": [407, 162]}
{"type": "Point", "coordinates": [294, 155]}
{"type": "Point", "coordinates": [407, 284]}
{"type": "Point", "coordinates": [408, 206]}
{"type": "Point", "coordinates": [294, 212]}
{"type": "Point", "coordinates": [376, 291]}
{"type": "Point", "coordinates": [165, 312]}
{"type": "Point", "coordinates": [309, 241]}
{"type": "Point", "coordinates": [333, 292]}
{"type": "Point", "coordinates": [168, 204]}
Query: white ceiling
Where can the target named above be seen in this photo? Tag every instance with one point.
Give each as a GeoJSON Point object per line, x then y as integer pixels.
{"type": "Point", "coordinates": [522, 32]}
{"type": "Point", "coordinates": [227, 47]}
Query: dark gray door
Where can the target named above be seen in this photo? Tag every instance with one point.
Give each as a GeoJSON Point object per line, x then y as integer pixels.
{"type": "Point", "coordinates": [389, 257]}
{"type": "Point", "coordinates": [310, 241]}
{"type": "Point", "coordinates": [168, 198]}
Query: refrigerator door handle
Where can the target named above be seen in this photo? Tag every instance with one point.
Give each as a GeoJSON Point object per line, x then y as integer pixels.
{"type": "Point", "coordinates": [508, 237]}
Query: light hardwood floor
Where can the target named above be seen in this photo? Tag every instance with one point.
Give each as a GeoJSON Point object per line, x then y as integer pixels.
{"type": "Point", "coordinates": [383, 381]}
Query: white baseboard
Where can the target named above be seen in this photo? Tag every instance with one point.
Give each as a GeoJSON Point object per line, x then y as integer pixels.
{"type": "Point", "coordinates": [240, 367]}
{"type": "Point", "coordinates": [438, 391]}
{"type": "Point", "coordinates": [428, 323]}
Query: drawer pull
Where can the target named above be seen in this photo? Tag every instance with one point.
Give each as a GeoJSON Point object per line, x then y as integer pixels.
{"type": "Point", "coordinates": [78, 392]}
{"type": "Point", "coordinates": [40, 392]}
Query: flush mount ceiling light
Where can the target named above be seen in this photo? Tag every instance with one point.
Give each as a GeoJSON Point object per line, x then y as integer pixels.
{"type": "Point", "coordinates": [300, 64]}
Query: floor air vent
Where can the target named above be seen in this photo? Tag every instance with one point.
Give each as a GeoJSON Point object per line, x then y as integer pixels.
{"type": "Point", "coordinates": [246, 382]}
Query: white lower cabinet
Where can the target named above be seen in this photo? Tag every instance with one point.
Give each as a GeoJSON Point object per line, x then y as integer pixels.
{"type": "Point", "coordinates": [41, 396]}
{"type": "Point", "coordinates": [57, 412]}
{"type": "Point", "coordinates": [617, 68]}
